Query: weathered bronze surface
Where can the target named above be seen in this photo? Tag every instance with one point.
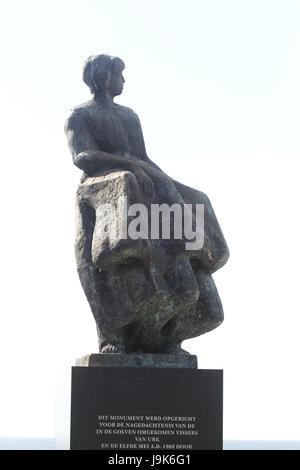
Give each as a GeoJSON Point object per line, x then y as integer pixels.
{"type": "Point", "coordinates": [146, 295]}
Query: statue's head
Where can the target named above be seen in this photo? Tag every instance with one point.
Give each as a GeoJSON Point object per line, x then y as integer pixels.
{"type": "Point", "coordinates": [104, 73]}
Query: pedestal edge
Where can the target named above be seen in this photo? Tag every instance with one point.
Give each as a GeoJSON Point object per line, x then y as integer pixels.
{"type": "Point", "coordinates": [163, 361]}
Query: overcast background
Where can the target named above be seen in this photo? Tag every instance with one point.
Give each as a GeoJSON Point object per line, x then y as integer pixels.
{"type": "Point", "coordinates": [217, 87]}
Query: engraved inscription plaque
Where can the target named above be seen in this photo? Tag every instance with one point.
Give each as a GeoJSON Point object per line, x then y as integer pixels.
{"type": "Point", "coordinates": [146, 409]}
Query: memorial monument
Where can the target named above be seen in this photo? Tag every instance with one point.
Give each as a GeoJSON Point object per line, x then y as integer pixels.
{"type": "Point", "coordinates": [148, 282]}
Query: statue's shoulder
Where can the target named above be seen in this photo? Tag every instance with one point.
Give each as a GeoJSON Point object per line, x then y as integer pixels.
{"type": "Point", "coordinates": [81, 111]}
{"type": "Point", "coordinates": [79, 115]}
{"type": "Point", "coordinates": [126, 110]}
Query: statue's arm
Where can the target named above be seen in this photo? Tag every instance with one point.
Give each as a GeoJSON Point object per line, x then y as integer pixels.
{"type": "Point", "coordinates": [85, 150]}
{"type": "Point", "coordinates": [81, 142]}
{"type": "Point", "coordinates": [88, 157]}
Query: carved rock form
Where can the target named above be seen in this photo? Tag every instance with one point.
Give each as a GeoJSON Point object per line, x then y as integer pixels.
{"type": "Point", "coordinates": [146, 295]}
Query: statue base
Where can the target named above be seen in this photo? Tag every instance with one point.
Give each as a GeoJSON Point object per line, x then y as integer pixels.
{"type": "Point", "coordinates": [163, 361]}
{"type": "Point", "coordinates": [153, 408]}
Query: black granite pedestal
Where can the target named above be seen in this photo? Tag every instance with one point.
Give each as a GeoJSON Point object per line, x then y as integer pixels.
{"type": "Point", "coordinates": [154, 409]}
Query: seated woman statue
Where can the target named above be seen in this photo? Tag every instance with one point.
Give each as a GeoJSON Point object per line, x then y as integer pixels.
{"type": "Point", "coordinates": [146, 295]}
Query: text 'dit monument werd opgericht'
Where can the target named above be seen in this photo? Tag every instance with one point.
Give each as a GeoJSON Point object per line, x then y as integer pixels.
{"type": "Point", "coordinates": [146, 248]}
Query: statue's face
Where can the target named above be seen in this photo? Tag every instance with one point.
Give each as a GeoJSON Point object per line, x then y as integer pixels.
{"type": "Point", "coordinates": [115, 83]}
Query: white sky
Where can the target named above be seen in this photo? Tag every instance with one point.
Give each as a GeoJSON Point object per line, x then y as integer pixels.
{"type": "Point", "coordinates": [217, 87]}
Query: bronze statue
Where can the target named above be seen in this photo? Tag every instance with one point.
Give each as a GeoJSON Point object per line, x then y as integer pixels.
{"type": "Point", "coordinates": [147, 295]}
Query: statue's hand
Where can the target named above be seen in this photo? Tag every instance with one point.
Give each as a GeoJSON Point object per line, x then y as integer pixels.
{"type": "Point", "coordinates": [144, 181]}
